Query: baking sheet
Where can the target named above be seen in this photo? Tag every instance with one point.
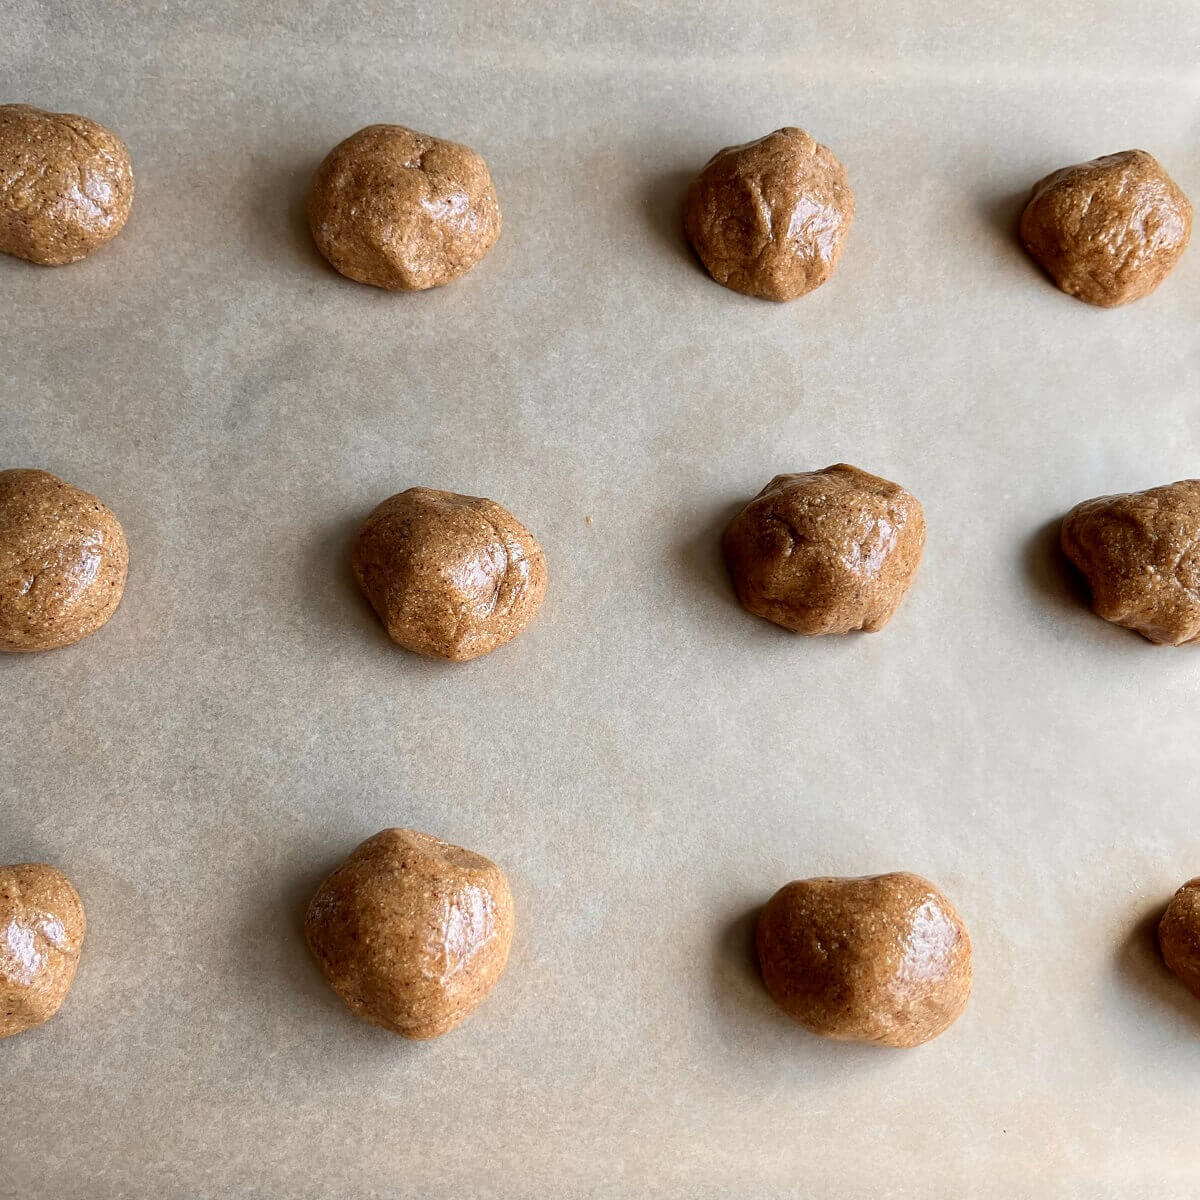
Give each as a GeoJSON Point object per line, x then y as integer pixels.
{"type": "Point", "coordinates": [647, 762]}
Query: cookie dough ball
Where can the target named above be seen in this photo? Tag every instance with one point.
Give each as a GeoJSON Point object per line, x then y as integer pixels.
{"type": "Point", "coordinates": [1108, 231]}
{"type": "Point", "coordinates": [1179, 935]}
{"type": "Point", "coordinates": [826, 551]}
{"type": "Point", "coordinates": [450, 576]}
{"type": "Point", "coordinates": [63, 560]}
{"type": "Point", "coordinates": [41, 934]}
{"type": "Point", "coordinates": [1140, 555]}
{"type": "Point", "coordinates": [66, 185]}
{"type": "Point", "coordinates": [769, 218]}
{"type": "Point", "coordinates": [412, 932]}
{"type": "Point", "coordinates": [401, 210]}
{"type": "Point", "coordinates": [882, 959]}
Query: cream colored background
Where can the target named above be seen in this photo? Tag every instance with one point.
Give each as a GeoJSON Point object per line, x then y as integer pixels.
{"type": "Point", "coordinates": [647, 762]}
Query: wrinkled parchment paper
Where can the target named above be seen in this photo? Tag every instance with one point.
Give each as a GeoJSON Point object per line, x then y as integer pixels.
{"type": "Point", "coordinates": [647, 762]}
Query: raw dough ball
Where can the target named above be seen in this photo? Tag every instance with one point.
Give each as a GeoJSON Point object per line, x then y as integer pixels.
{"type": "Point", "coordinates": [63, 560]}
{"type": "Point", "coordinates": [401, 210]}
{"type": "Point", "coordinates": [450, 576]}
{"type": "Point", "coordinates": [768, 218]}
{"type": "Point", "coordinates": [41, 933]}
{"type": "Point", "coordinates": [66, 185]}
{"type": "Point", "coordinates": [1179, 935]}
{"type": "Point", "coordinates": [826, 551]}
{"type": "Point", "coordinates": [884, 958]}
{"type": "Point", "coordinates": [1110, 230]}
{"type": "Point", "coordinates": [1140, 554]}
{"type": "Point", "coordinates": [412, 932]}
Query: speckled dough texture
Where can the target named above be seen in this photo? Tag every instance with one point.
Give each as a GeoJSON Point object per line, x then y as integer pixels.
{"type": "Point", "coordinates": [450, 576]}
{"type": "Point", "coordinates": [1108, 231]}
{"type": "Point", "coordinates": [1140, 555]}
{"type": "Point", "coordinates": [883, 958]}
{"type": "Point", "coordinates": [402, 210]}
{"type": "Point", "coordinates": [826, 551]}
{"type": "Point", "coordinates": [63, 562]}
{"type": "Point", "coordinates": [412, 932]}
{"type": "Point", "coordinates": [768, 218]}
{"type": "Point", "coordinates": [41, 934]}
{"type": "Point", "coordinates": [66, 185]}
{"type": "Point", "coordinates": [1179, 935]}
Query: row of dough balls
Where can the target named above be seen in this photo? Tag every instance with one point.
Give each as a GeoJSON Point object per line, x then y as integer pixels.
{"type": "Point", "coordinates": [455, 577]}
{"type": "Point", "coordinates": [405, 211]}
{"type": "Point", "coordinates": [412, 933]}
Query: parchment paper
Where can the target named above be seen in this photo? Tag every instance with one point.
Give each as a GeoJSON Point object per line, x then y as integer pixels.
{"type": "Point", "coordinates": [648, 762]}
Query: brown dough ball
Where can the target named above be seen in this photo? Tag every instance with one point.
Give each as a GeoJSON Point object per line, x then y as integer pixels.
{"type": "Point", "coordinates": [768, 218]}
{"type": "Point", "coordinates": [883, 958]}
{"type": "Point", "coordinates": [66, 185]}
{"type": "Point", "coordinates": [1108, 231]}
{"type": "Point", "coordinates": [1140, 555]}
{"type": "Point", "coordinates": [1179, 935]}
{"type": "Point", "coordinates": [41, 934]}
{"type": "Point", "coordinates": [450, 576]}
{"type": "Point", "coordinates": [401, 210]}
{"type": "Point", "coordinates": [63, 561]}
{"type": "Point", "coordinates": [412, 932]}
{"type": "Point", "coordinates": [826, 551]}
